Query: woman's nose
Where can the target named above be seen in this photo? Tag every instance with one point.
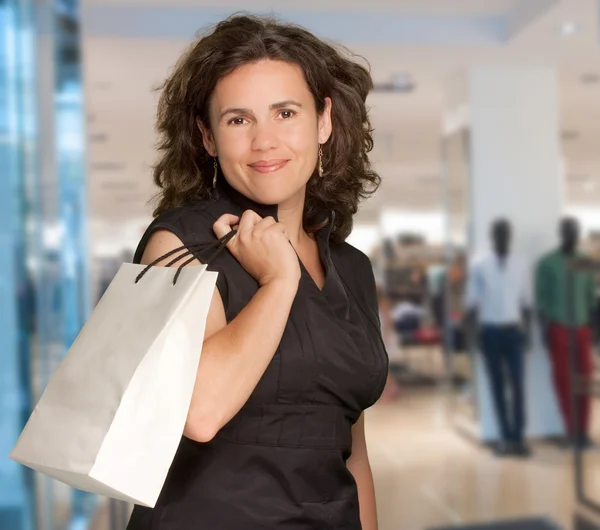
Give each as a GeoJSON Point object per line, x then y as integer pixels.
{"type": "Point", "coordinates": [264, 137]}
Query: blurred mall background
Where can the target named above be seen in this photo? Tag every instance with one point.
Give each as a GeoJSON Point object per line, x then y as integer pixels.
{"type": "Point", "coordinates": [483, 109]}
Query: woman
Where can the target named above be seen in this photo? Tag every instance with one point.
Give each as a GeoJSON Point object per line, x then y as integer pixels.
{"type": "Point", "coordinates": [265, 132]}
{"type": "Point", "coordinates": [391, 390]}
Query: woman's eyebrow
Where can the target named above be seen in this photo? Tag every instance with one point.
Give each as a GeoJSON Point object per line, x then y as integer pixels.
{"type": "Point", "coordinates": [273, 106]}
{"type": "Point", "coordinates": [234, 110]}
{"type": "Point", "coordinates": [286, 103]}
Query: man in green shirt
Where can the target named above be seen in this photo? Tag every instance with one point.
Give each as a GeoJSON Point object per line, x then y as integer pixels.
{"type": "Point", "coordinates": [557, 319]}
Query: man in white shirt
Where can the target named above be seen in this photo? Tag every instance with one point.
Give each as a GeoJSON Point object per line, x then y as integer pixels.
{"type": "Point", "coordinates": [498, 301]}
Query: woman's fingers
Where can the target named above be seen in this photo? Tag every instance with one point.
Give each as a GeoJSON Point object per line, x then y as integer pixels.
{"type": "Point", "coordinates": [225, 224]}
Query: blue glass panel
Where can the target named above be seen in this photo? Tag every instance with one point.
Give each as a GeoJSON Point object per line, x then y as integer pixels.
{"type": "Point", "coordinates": [16, 482]}
{"type": "Point", "coordinates": [43, 258]}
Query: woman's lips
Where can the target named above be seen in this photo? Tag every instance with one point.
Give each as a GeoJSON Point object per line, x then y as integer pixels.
{"type": "Point", "coordinates": [268, 166]}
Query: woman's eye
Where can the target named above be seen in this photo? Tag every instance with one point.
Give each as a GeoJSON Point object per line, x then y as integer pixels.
{"type": "Point", "coordinates": [237, 121]}
{"type": "Point", "coordinates": [287, 114]}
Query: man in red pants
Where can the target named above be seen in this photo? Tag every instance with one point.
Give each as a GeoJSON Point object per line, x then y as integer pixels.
{"type": "Point", "coordinates": [558, 322]}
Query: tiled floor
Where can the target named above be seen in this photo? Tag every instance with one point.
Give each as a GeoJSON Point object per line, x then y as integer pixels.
{"type": "Point", "coordinates": [427, 475]}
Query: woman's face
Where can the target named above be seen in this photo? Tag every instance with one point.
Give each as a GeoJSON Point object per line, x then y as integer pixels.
{"type": "Point", "coordinates": [266, 132]}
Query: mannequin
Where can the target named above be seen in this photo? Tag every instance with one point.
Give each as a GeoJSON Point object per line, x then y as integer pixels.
{"type": "Point", "coordinates": [556, 324]}
{"type": "Point", "coordinates": [499, 315]}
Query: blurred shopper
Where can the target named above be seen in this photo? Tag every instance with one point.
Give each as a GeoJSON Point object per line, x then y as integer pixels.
{"type": "Point", "coordinates": [456, 279]}
{"type": "Point", "coordinates": [499, 305]}
{"type": "Point", "coordinates": [558, 318]}
{"type": "Point", "coordinates": [265, 133]}
{"type": "Point", "coordinates": [390, 339]}
{"type": "Point", "coordinates": [435, 292]}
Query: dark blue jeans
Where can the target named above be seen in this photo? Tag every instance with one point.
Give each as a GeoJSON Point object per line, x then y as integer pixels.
{"type": "Point", "coordinates": [503, 353]}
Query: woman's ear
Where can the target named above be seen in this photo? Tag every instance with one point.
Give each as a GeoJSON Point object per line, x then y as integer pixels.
{"type": "Point", "coordinates": [207, 138]}
{"type": "Point", "coordinates": [324, 125]}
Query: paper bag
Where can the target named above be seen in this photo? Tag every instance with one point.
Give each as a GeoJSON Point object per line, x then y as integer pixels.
{"type": "Point", "coordinates": [113, 414]}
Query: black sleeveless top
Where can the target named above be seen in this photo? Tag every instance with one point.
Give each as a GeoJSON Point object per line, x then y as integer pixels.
{"type": "Point", "coordinates": [280, 463]}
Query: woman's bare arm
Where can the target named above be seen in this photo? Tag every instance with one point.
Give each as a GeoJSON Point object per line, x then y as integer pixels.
{"type": "Point", "coordinates": [234, 355]}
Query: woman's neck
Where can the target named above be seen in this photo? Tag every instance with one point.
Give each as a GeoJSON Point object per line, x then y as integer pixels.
{"type": "Point", "coordinates": [291, 214]}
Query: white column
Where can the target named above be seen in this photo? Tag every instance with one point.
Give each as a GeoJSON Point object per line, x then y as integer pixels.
{"type": "Point", "coordinates": [516, 173]}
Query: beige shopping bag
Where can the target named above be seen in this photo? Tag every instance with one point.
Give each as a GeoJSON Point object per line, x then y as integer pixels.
{"type": "Point", "coordinates": [113, 414]}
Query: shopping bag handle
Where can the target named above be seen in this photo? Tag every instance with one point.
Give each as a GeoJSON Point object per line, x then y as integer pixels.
{"type": "Point", "coordinates": [217, 246]}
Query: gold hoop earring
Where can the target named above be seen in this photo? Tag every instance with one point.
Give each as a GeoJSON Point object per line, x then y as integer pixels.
{"type": "Point", "coordinates": [320, 162]}
{"type": "Point", "coordinates": [216, 166]}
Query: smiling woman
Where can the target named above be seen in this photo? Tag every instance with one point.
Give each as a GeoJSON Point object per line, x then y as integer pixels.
{"type": "Point", "coordinates": [265, 132]}
{"type": "Point", "coordinates": [321, 74]}
{"type": "Point", "coordinates": [280, 139]}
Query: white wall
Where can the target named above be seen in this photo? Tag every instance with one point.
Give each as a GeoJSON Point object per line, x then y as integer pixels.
{"type": "Point", "coordinates": [516, 165]}
{"type": "Point", "coordinates": [516, 172]}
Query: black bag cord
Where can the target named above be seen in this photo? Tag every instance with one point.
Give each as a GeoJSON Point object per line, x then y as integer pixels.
{"type": "Point", "coordinates": [219, 245]}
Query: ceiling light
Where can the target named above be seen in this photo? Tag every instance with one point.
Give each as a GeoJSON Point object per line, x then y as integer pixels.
{"type": "Point", "coordinates": [569, 28]}
{"type": "Point", "coordinates": [400, 82]}
{"type": "Point", "coordinates": [403, 81]}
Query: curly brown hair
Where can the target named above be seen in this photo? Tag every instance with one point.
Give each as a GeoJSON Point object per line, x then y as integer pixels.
{"type": "Point", "coordinates": [184, 171]}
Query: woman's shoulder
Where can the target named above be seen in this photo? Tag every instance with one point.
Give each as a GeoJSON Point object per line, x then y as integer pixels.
{"type": "Point", "coordinates": [196, 217]}
{"type": "Point", "coordinates": [356, 270]}
{"type": "Point", "coordinates": [191, 223]}
{"type": "Point", "coordinates": [351, 257]}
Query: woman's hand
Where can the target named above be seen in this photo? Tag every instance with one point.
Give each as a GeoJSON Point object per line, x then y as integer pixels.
{"type": "Point", "coordinates": [262, 247]}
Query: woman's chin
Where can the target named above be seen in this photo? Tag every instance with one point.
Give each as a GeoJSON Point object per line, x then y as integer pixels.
{"type": "Point", "coordinates": [273, 194]}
